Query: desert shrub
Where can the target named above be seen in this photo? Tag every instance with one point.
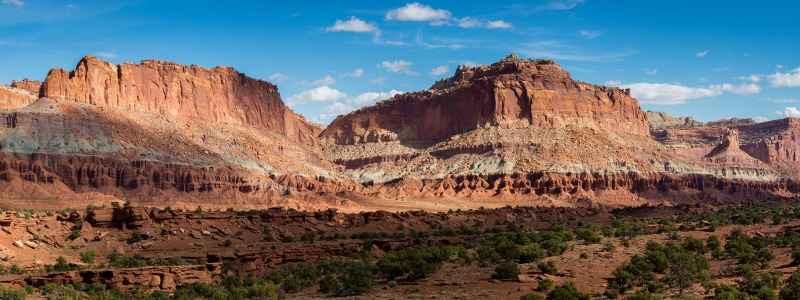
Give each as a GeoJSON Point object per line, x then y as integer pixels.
{"type": "Point", "coordinates": [87, 256]}
{"type": "Point", "coordinates": [296, 278]}
{"type": "Point", "coordinates": [694, 245]}
{"type": "Point", "coordinates": [791, 287]}
{"type": "Point", "coordinates": [641, 294]}
{"type": "Point", "coordinates": [506, 270]}
{"type": "Point", "coordinates": [548, 267]}
{"type": "Point", "coordinates": [545, 284]}
{"type": "Point", "coordinates": [342, 277]}
{"type": "Point", "coordinates": [567, 291]}
{"type": "Point", "coordinates": [198, 290]}
{"type": "Point", "coordinates": [531, 296]}
{"type": "Point", "coordinates": [414, 263]}
{"type": "Point", "coordinates": [588, 234]}
{"type": "Point", "coordinates": [135, 237]}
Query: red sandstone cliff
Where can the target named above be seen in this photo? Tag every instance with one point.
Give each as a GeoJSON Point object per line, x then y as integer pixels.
{"type": "Point", "coordinates": [11, 97]}
{"type": "Point", "coordinates": [511, 93]}
{"type": "Point", "coordinates": [220, 95]}
{"type": "Point", "coordinates": [33, 86]}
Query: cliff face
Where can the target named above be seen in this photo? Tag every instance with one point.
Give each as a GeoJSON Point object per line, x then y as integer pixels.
{"type": "Point", "coordinates": [33, 86]}
{"type": "Point", "coordinates": [661, 120]}
{"type": "Point", "coordinates": [220, 95]}
{"type": "Point", "coordinates": [11, 97]}
{"type": "Point", "coordinates": [512, 93]}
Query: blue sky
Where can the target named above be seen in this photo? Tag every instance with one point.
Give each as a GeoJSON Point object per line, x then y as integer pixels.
{"type": "Point", "coordinates": [708, 59]}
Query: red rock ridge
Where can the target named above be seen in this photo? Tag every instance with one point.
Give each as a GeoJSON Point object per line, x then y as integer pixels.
{"type": "Point", "coordinates": [221, 94]}
{"type": "Point", "coordinates": [511, 93]}
{"type": "Point", "coordinates": [12, 98]}
{"type": "Point", "coordinates": [33, 86]}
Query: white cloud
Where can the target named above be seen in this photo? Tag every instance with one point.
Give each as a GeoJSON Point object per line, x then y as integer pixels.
{"type": "Point", "coordinates": [760, 119]}
{"type": "Point", "coordinates": [337, 108]}
{"type": "Point", "coordinates": [742, 89]}
{"type": "Point", "coordinates": [277, 78]}
{"type": "Point", "coordinates": [415, 12]}
{"type": "Point", "coordinates": [564, 4]}
{"type": "Point", "coordinates": [666, 94]}
{"type": "Point", "coordinates": [327, 80]}
{"type": "Point", "coordinates": [438, 71]}
{"type": "Point", "coordinates": [590, 34]}
{"type": "Point", "coordinates": [353, 25]}
{"type": "Point", "coordinates": [753, 78]}
{"type": "Point", "coordinates": [398, 66]}
{"type": "Point", "coordinates": [613, 83]}
{"type": "Point", "coordinates": [782, 100]}
{"type": "Point", "coordinates": [650, 71]}
{"type": "Point", "coordinates": [470, 63]}
{"type": "Point", "coordinates": [355, 74]}
{"type": "Point", "coordinates": [17, 3]}
{"type": "Point", "coordinates": [106, 55]}
{"type": "Point", "coordinates": [779, 66]}
{"type": "Point", "coordinates": [701, 53]}
{"type": "Point", "coordinates": [379, 80]}
{"type": "Point", "coordinates": [319, 94]}
{"type": "Point", "coordinates": [469, 23]}
{"type": "Point", "coordinates": [791, 79]}
{"type": "Point", "coordinates": [558, 50]}
{"type": "Point", "coordinates": [371, 97]}
{"type": "Point", "coordinates": [789, 112]}
{"type": "Point", "coordinates": [498, 24]}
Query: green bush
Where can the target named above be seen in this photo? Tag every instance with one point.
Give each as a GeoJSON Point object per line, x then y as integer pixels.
{"type": "Point", "coordinates": [414, 263]}
{"type": "Point", "coordinates": [135, 237]}
{"type": "Point", "coordinates": [548, 267]}
{"type": "Point", "coordinates": [506, 270]}
{"type": "Point", "coordinates": [341, 277]}
{"type": "Point", "coordinates": [88, 256]}
{"type": "Point", "coordinates": [567, 291]}
{"type": "Point", "coordinates": [641, 294]}
{"type": "Point", "coordinates": [531, 296]}
{"type": "Point", "coordinates": [545, 284]}
{"type": "Point", "coordinates": [791, 287]}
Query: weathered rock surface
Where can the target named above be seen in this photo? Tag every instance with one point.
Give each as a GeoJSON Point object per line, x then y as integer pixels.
{"type": "Point", "coordinates": [511, 93]}
{"type": "Point", "coordinates": [152, 278]}
{"type": "Point", "coordinates": [219, 95]}
{"type": "Point", "coordinates": [12, 98]}
{"type": "Point", "coordinates": [661, 120]}
{"type": "Point", "coordinates": [731, 122]}
{"type": "Point", "coordinates": [33, 86]}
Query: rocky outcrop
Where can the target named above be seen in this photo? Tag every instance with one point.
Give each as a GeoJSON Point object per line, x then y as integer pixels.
{"type": "Point", "coordinates": [511, 93]}
{"type": "Point", "coordinates": [661, 120]}
{"type": "Point", "coordinates": [732, 122]}
{"type": "Point", "coordinates": [151, 278]}
{"type": "Point", "coordinates": [219, 95]}
{"type": "Point", "coordinates": [33, 86]}
{"type": "Point", "coordinates": [13, 98]}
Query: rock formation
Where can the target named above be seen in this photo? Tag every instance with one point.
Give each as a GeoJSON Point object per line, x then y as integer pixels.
{"type": "Point", "coordinates": [731, 122]}
{"type": "Point", "coordinates": [511, 93]}
{"type": "Point", "coordinates": [661, 120]}
{"type": "Point", "coordinates": [33, 86]}
{"type": "Point", "coordinates": [11, 97]}
{"type": "Point", "coordinates": [219, 95]}
{"type": "Point", "coordinates": [519, 132]}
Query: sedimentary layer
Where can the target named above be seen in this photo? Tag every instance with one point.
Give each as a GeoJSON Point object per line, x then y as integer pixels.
{"type": "Point", "coordinates": [218, 95]}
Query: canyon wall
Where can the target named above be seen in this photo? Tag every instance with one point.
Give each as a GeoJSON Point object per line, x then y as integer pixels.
{"type": "Point", "coordinates": [511, 93]}
{"type": "Point", "coordinates": [220, 95]}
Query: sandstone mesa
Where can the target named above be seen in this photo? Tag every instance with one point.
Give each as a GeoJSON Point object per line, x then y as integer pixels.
{"type": "Point", "coordinates": [518, 131]}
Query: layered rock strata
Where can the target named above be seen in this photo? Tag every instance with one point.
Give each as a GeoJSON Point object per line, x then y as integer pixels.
{"type": "Point", "coordinates": [33, 86]}
{"type": "Point", "coordinates": [512, 93]}
{"type": "Point", "coordinates": [12, 98]}
{"type": "Point", "coordinates": [218, 95]}
{"type": "Point", "coordinates": [661, 120]}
